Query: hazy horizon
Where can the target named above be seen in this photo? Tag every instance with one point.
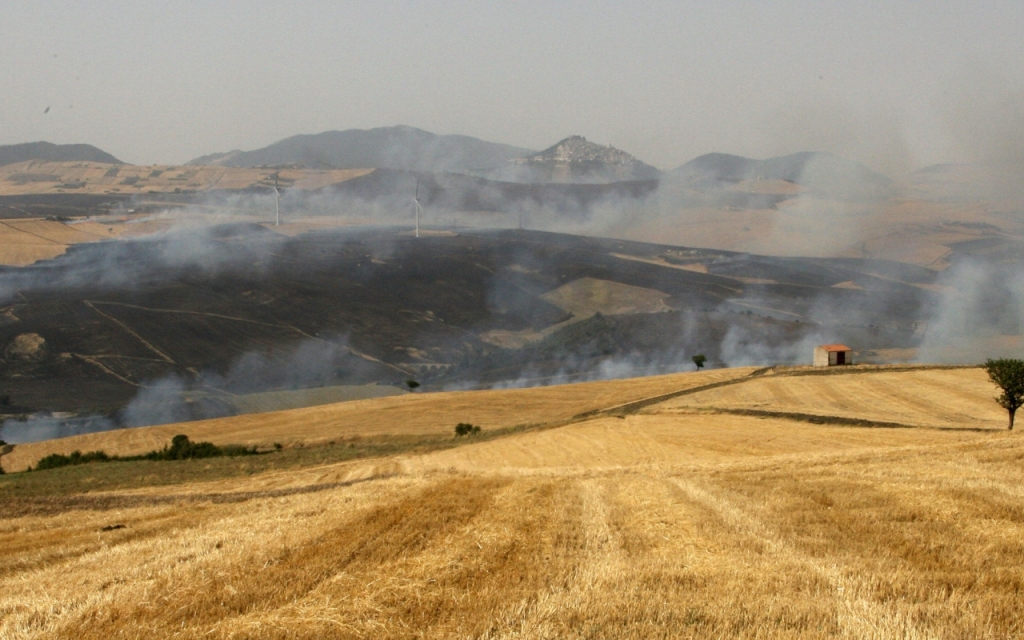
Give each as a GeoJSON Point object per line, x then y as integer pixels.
{"type": "Point", "coordinates": [895, 85]}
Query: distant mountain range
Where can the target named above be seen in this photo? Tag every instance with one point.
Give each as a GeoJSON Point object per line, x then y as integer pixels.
{"type": "Point", "coordinates": [821, 173]}
{"type": "Point", "coordinates": [11, 153]}
{"type": "Point", "coordinates": [400, 147]}
{"type": "Point", "coordinates": [403, 148]}
{"type": "Point", "coordinates": [573, 160]}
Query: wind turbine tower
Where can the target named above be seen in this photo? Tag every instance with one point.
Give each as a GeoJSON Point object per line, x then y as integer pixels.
{"type": "Point", "coordinates": [416, 206]}
{"type": "Point", "coordinates": [277, 202]}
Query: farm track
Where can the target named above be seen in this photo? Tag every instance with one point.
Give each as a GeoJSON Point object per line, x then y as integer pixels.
{"type": "Point", "coordinates": [47, 240]}
{"type": "Point", "coordinates": [131, 332]}
{"type": "Point", "coordinates": [99, 365]}
{"type": "Point", "coordinates": [41, 506]}
{"type": "Point", "coordinates": [814, 418]}
{"type": "Point", "coordinates": [637, 405]}
{"type": "Point", "coordinates": [288, 327]}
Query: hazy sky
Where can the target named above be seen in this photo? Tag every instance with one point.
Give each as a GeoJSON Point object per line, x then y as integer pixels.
{"type": "Point", "coordinates": [895, 84]}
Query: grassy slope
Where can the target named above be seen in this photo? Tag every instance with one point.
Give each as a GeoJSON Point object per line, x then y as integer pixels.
{"type": "Point", "coordinates": [667, 523]}
{"type": "Point", "coordinates": [412, 414]}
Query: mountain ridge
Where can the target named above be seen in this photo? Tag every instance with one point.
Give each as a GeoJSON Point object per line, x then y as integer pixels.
{"type": "Point", "coordinates": [399, 147]}
{"type": "Point", "coordinates": [13, 153]}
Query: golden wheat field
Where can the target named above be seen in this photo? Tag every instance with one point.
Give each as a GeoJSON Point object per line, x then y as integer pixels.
{"type": "Point", "coordinates": [28, 240]}
{"type": "Point", "coordinates": [873, 503]}
{"type": "Point", "coordinates": [41, 176]}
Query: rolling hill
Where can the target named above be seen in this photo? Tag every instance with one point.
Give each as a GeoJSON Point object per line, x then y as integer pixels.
{"type": "Point", "coordinates": [215, 312]}
{"type": "Point", "coordinates": [685, 506]}
{"type": "Point", "coordinates": [13, 153]}
{"type": "Point", "coordinates": [399, 147]}
{"type": "Point", "coordinates": [823, 174]}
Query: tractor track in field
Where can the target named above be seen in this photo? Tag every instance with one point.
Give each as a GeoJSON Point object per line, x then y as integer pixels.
{"type": "Point", "coordinates": [49, 505]}
{"type": "Point", "coordinates": [149, 345]}
{"type": "Point", "coordinates": [632, 407]}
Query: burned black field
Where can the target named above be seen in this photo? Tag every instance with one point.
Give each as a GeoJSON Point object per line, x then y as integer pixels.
{"type": "Point", "coordinates": [206, 314]}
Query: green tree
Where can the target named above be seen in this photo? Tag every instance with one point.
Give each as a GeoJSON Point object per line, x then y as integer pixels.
{"type": "Point", "coordinates": [699, 360]}
{"type": "Point", "coordinates": [412, 384]}
{"type": "Point", "coordinates": [1008, 374]}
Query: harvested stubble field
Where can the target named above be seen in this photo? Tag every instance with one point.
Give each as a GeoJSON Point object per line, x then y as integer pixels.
{"type": "Point", "coordinates": [671, 519]}
{"type": "Point", "coordinates": [29, 240]}
{"type": "Point", "coordinates": [40, 176]}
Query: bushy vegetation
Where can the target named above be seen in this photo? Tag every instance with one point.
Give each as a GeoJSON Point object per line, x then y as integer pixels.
{"type": "Point", "coordinates": [180, 448]}
{"type": "Point", "coordinates": [466, 429]}
{"type": "Point", "coordinates": [55, 460]}
{"type": "Point", "coordinates": [699, 360]}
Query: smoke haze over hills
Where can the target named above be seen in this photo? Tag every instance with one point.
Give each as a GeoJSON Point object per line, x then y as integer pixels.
{"type": "Point", "coordinates": [831, 234]}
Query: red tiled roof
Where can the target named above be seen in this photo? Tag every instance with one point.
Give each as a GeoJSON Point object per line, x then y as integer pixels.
{"type": "Point", "coordinates": [834, 347]}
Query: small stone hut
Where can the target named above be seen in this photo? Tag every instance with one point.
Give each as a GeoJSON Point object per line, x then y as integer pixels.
{"type": "Point", "coordinates": [832, 355]}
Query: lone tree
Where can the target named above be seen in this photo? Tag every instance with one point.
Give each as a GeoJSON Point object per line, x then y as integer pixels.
{"type": "Point", "coordinates": [699, 360]}
{"type": "Point", "coordinates": [1009, 375]}
{"type": "Point", "coordinates": [412, 384]}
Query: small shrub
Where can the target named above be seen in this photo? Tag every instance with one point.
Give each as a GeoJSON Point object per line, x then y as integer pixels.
{"type": "Point", "coordinates": [466, 429]}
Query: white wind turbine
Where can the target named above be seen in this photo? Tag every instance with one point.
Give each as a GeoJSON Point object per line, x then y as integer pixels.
{"type": "Point", "coordinates": [277, 202]}
{"type": "Point", "coordinates": [416, 206]}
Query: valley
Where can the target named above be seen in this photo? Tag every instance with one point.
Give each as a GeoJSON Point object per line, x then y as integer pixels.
{"type": "Point", "coordinates": [189, 322]}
